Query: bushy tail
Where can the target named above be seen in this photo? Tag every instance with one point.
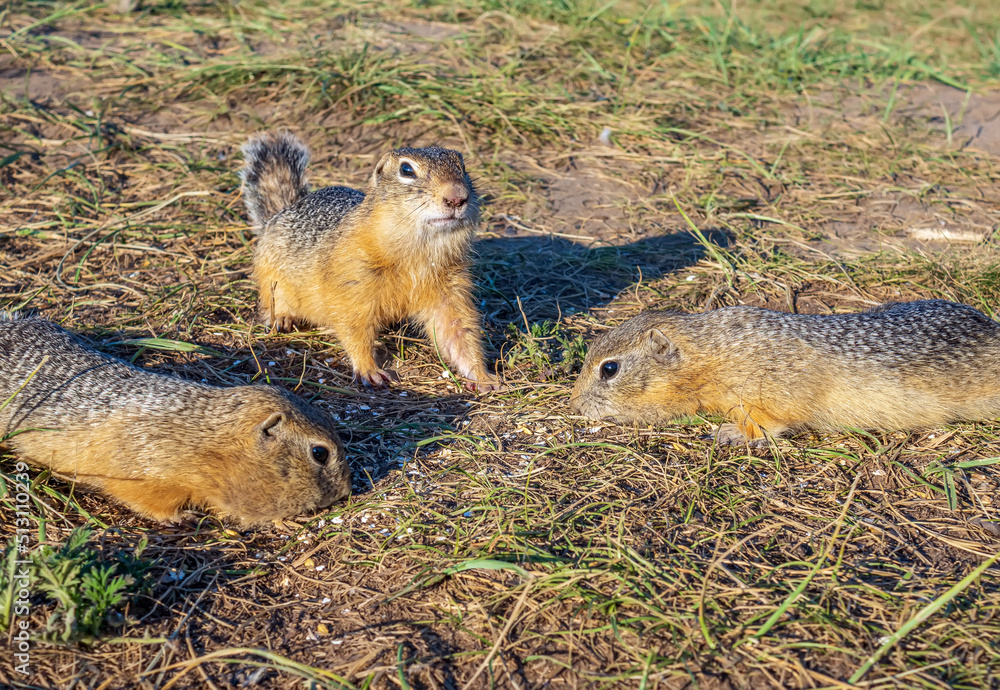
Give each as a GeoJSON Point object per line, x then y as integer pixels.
{"type": "Point", "coordinates": [274, 175]}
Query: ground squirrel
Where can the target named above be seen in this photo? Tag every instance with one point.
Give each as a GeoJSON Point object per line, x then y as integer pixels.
{"type": "Point", "coordinates": [356, 261]}
{"type": "Point", "coordinates": [897, 366]}
{"type": "Point", "coordinates": [158, 443]}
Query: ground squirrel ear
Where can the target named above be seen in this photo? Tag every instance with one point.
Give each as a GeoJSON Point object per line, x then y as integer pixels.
{"type": "Point", "coordinates": [380, 167]}
{"type": "Point", "coordinates": [270, 425]}
{"type": "Point", "coordinates": [659, 345]}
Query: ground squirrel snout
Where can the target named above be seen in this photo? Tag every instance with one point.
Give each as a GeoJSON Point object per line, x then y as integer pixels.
{"type": "Point", "coordinates": [356, 262]}
{"type": "Point", "coordinates": [897, 366]}
{"type": "Point", "coordinates": [158, 443]}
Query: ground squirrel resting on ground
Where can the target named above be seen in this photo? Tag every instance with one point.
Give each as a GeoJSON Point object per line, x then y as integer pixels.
{"type": "Point", "coordinates": [158, 443]}
{"type": "Point", "coordinates": [356, 262]}
{"type": "Point", "coordinates": [897, 366]}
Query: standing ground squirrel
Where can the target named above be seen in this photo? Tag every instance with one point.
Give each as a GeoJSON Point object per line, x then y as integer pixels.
{"type": "Point", "coordinates": [897, 366]}
{"type": "Point", "coordinates": [356, 262]}
{"type": "Point", "coordinates": [159, 443]}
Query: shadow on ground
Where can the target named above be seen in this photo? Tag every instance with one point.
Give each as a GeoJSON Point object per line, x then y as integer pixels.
{"type": "Point", "coordinates": [545, 278]}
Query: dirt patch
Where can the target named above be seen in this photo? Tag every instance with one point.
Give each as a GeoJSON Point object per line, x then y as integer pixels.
{"type": "Point", "coordinates": [34, 85]}
{"type": "Point", "coordinates": [426, 31]}
{"type": "Point", "coordinates": [589, 203]}
{"type": "Point", "coordinates": [903, 209]}
{"type": "Point", "coordinates": [960, 119]}
{"type": "Point", "coordinates": [972, 120]}
{"type": "Point", "coordinates": [903, 221]}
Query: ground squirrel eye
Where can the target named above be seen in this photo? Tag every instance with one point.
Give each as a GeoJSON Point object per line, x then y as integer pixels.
{"type": "Point", "coordinates": [406, 170]}
{"type": "Point", "coordinates": [320, 454]}
{"type": "Point", "coordinates": [608, 370]}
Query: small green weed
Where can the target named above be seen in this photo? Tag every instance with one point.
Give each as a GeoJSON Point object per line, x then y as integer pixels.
{"type": "Point", "coordinates": [545, 346]}
{"type": "Point", "coordinates": [85, 590]}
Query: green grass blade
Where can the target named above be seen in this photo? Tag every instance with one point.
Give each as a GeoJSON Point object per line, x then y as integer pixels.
{"type": "Point", "coordinates": [923, 615]}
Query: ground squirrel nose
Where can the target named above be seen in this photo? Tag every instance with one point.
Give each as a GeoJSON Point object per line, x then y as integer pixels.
{"type": "Point", "coordinates": [455, 196]}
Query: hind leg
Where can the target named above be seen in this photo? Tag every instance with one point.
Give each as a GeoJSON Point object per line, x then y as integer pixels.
{"type": "Point", "coordinates": [358, 340]}
{"type": "Point", "coordinates": [274, 308]}
{"type": "Point", "coordinates": [157, 500]}
{"type": "Point", "coordinates": [277, 298]}
{"type": "Point", "coordinates": [744, 429]}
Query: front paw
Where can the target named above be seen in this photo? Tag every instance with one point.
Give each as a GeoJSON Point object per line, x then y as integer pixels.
{"type": "Point", "coordinates": [281, 324]}
{"type": "Point", "coordinates": [730, 435]}
{"type": "Point", "coordinates": [377, 378]}
{"type": "Point", "coordinates": [182, 519]}
{"type": "Point", "coordinates": [485, 384]}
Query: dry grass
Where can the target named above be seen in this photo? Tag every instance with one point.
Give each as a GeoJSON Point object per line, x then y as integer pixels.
{"type": "Point", "coordinates": [500, 540]}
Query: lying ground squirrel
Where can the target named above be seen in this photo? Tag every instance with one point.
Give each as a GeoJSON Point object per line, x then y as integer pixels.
{"type": "Point", "coordinates": [158, 443]}
{"type": "Point", "coordinates": [897, 366]}
{"type": "Point", "coordinates": [356, 262]}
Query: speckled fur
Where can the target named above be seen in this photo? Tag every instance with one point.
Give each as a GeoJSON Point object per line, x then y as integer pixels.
{"type": "Point", "coordinates": [897, 366]}
{"type": "Point", "coordinates": [356, 262]}
{"type": "Point", "coordinates": [159, 443]}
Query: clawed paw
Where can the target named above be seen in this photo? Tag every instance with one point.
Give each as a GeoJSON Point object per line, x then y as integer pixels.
{"type": "Point", "coordinates": [181, 520]}
{"type": "Point", "coordinates": [488, 384]}
{"type": "Point", "coordinates": [379, 378]}
{"type": "Point", "coordinates": [730, 435]}
{"type": "Point", "coordinates": [284, 324]}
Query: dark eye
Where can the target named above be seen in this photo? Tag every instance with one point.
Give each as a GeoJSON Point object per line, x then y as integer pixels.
{"type": "Point", "coordinates": [406, 170]}
{"type": "Point", "coordinates": [608, 370]}
{"type": "Point", "coordinates": [320, 454]}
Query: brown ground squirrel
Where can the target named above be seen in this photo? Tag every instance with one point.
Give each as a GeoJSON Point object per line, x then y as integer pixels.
{"type": "Point", "coordinates": [356, 262]}
{"type": "Point", "coordinates": [897, 366]}
{"type": "Point", "coordinates": [158, 443]}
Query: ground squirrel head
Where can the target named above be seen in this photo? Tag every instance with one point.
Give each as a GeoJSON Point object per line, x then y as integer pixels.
{"type": "Point", "coordinates": [430, 186]}
{"type": "Point", "coordinates": [286, 458]}
{"type": "Point", "coordinates": [627, 373]}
